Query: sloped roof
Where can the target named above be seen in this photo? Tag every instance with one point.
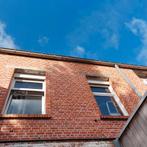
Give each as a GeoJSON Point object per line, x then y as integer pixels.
{"type": "Point", "coordinates": [131, 119]}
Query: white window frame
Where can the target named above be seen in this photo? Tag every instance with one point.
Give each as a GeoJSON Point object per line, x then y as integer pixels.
{"type": "Point", "coordinates": [27, 78]}
{"type": "Point", "coordinates": [28, 89]}
{"type": "Point", "coordinates": [112, 94]}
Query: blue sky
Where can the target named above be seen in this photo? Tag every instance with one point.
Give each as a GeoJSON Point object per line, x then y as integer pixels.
{"type": "Point", "coordinates": [107, 30]}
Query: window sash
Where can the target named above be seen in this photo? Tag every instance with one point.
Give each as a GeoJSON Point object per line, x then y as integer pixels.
{"type": "Point", "coordinates": [102, 102]}
{"type": "Point", "coordinates": [42, 103]}
{"type": "Point", "coordinates": [102, 94]}
{"type": "Point", "coordinates": [109, 94]}
{"type": "Point", "coordinates": [26, 92]}
{"type": "Point", "coordinates": [23, 104]}
{"type": "Point", "coordinates": [28, 85]}
{"type": "Point", "coordinates": [100, 89]}
{"type": "Point", "coordinates": [98, 82]}
{"type": "Point", "coordinates": [28, 89]}
{"type": "Point", "coordinates": [29, 76]}
{"type": "Point", "coordinates": [37, 79]}
{"type": "Point", "coordinates": [116, 108]}
{"type": "Point", "coordinates": [112, 93]}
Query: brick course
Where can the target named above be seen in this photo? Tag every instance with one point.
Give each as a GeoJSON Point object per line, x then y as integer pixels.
{"type": "Point", "coordinates": [70, 105]}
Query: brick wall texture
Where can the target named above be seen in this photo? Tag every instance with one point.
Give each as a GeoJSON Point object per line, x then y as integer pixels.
{"type": "Point", "coordinates": [69, 101]}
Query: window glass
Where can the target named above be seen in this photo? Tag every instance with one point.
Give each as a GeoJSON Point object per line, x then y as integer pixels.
{"type": "Point", "coordinates": [107, 106]}
{"type": "Point", "coordinates": [26, 95]}
{"type": "Point", "coordinates": [100, 89]}
{"type": "Point", "coordinates": [29, 85]}
{"type": "Point", "coordinates": [25, 105]}
{"type": "Point", "coordinates": [112, 108]}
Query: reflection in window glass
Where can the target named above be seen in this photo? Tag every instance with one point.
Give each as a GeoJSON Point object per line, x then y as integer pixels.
{"type": "Point", "coordinates": [29, 85]}
{"type": "Point", "coordinates": [25, 105]}
{"type": "Point", "coordinates": [112, 108]}
{"type": "Point", "coordinates": [107, 106]}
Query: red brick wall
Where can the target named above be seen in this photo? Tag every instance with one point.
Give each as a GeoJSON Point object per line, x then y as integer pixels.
{"type": "Point", "coordinates": [69, 101]}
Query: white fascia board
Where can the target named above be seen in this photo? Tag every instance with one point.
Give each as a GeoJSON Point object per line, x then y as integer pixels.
{"type": "Point", "coordinates": [29, 76]}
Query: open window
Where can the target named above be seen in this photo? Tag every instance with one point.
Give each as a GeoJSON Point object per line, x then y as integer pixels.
{"type": "Point", "coordinates": [107, 100]}
{"type": "Point", "coordinates": [27, 95]}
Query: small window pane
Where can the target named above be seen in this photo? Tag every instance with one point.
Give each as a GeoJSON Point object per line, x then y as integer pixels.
{"type": "Point", "coordinates": [112, 108]}
{"type": "Point", "coordinates": [107, 106]}
{"type": "Point", "coordinates": [25, 105]}
{"type": "Point", "coordinates": [100, 89]}
{"type": "Point", "coordinates": [29, 85]}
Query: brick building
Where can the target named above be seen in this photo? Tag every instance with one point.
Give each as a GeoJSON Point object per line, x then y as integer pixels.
{"type": "Point", "coordinates": [49, 100]}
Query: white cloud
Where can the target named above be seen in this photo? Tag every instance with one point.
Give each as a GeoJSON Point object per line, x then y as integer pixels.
{"type": "Point", "coordinates": [78, 51]}
{"type": "Point", "coordinates": [104, 24]}
{"type": "Point", "coordinates": [114, 39]}
{"type": "Point", "coordinates": [5, 39]}
{"type": "Point", "coordinates": [139, 28]}
{"type": "Point", "coordinates": [97, 24]}
{"type": "Point", "coordinates": [43, 40]}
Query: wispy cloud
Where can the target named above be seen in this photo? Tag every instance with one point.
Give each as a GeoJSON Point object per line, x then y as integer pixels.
{"type": "Point", "coordinates": [5, 39]}
{"type": "Point", "coordinates": [43, 40]}
{"type": "Point", "coordinates": [105, 23]}
{"type": "Point", "coordinates": [78, 51]}
{"type": "Point", "coordinates": [98, 24]}
{"type": "Point", "coordinates": [139, 28]}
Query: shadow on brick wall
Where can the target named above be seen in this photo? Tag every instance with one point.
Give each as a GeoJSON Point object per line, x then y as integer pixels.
{"type": "Point", "coordinates": [72, 105]}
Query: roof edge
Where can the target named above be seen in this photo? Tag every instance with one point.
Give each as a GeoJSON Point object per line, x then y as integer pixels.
{"type": "Point", "coordinates": [138, 107]}
{"type": "Point", "coordinates": [66, 58]}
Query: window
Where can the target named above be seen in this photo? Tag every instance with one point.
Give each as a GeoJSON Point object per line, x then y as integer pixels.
{"type": "Point", "coordinates": [26, 95]}
{"type": "Point", "coordinates": [108, 102]}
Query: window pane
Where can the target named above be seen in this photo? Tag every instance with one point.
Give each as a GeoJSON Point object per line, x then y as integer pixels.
{"type": "Point", "coordinates": [25, 105]}
{"type": "Point", "coordinates": [107, 106]}
{"type": "Point", "coordinates": [100, 89]}
{"type": "Point", "coordinates": [112, 108]}
{"type": "Point", "coordinates": [29, 85]}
